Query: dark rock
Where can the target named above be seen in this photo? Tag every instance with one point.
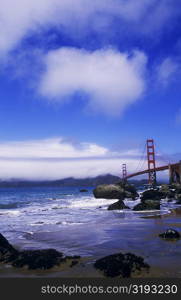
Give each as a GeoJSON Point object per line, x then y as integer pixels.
{"type": "Point", "coordinates": [147, 205]}
{"type": "Point", "coordinates": [129, 195]}
{"type": "Point", "coordinates": [170, 234]}
{"type": "Point", "coordinates": [170, 195]}
{"type": "Point", "coordinates": [118, 205]}
{"type": "Point", "coordinates": [33, 259]}
{"type": "Point", "coordinates": [130, 190]}
{"type": "Point", "coordinates": [38, 259]}
{"type": "Point", "coordinates": [178, 202]}
{"type": "Point", "coordinates": [122, 265]}
{"type": "Point", "coordinates": [178, 197]}
{"type": "Point", "coordinates": [83, 191]}
{"type": "Point", "coordinates": [73, 257]}
{"type": "Point", "coordinates": [7, 251]}
{"type": "Point", "coordinates": [4, 244]}
{"type": "Point", "coordinates": [177, 188]}
{"type": "Point", "coordinates": [152, 195]}
{"type": "Point", "coordinates": [168, 191]}
{"type": "Point", "coordinates": [119, 190]}
{"type": "Point", "coordinates": [74, 262]}
{"type": "Point", "coordinates": [109, 191]}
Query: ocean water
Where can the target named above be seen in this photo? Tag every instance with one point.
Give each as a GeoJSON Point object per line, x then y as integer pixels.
{"type": "Point", "coordinates": [76, 223]}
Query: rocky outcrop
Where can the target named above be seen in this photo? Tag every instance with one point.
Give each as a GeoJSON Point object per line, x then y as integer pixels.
{"type": "Point", "coordinates": [150, 200]}
{"type": "Point", "coordinates": [115, 191]}
{"type": "Point", "coordinates": [147, 205]}
{"type": "Point", "coordinates": [109, 191]}
{"type": "Point", "coordinates": [122, 265]}
{"type": "Point", "coordinates": [178, 198]}
{"type": "Point", "coordinates": [7, 251]}
{"type": "Point", "coordinates": [117, 206]}
{"type": "Point", "coordinates": [38, 259]}
{"type": "Point", "coordinates": [170, 234]}
{"type": "Point", "coordinates": [83, 191]}
{"type": "Point", "coordinates": [152, 195]}
{"type": "Point", "coordinates": [178, 201]}
{"type": "Point", "coordinates": [168, 191]}
{"type": "Point", "coordinates": [33, 259]}
{"type": "Point", "coordinates": [129, 188]}
{"type": "Point", "coordinates": [172, 191]}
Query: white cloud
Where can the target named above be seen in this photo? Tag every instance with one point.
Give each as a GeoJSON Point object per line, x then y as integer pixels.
{"type": "Point", "coordinates": [18, 18]}
{"type": "Point", "coordinates": [167, 70]}
{"type": "Point", "coordinates": [44, 169]}
{"type": "Point", "coordinates": [57, 158]}
{"type": "Point", "coordinates": [112, 80]}
{"type": "Point", "coordinates": [50, 148]}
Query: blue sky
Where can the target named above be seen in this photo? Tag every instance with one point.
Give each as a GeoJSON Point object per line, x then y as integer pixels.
{"type": "Point", "coordinates": [87, 80]}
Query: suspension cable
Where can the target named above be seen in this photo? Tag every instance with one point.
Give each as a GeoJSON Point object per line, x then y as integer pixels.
{"type": "Point", "coordinates": [142, 160]}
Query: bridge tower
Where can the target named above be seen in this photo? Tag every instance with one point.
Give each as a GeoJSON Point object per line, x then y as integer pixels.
{"type": "Point", "coordinates": [124, 172]}
{"type": "Point", "coordinates": [175, 173]}
{"type": "Point", "coordinates": [151, 162]}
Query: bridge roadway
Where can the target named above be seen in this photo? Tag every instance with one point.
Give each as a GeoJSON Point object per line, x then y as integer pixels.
{"type": "Point", "coordinates": [163, 168]}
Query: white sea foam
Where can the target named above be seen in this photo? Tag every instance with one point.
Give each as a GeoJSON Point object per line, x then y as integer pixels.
{"type": "Point", "coordinates": [154, 211]}
{"type": "Point", "coordinates": [90, 202]}
{"type": "Point", "coordinates": [69, 223]}
{"type": "Point", "coordinates": [10, 212]}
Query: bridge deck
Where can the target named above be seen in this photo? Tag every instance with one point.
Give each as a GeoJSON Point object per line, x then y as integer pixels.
{"type": "Point", "coordinates": [147, 171]}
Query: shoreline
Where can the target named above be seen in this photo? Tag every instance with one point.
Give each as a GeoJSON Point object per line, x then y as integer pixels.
{"type": "Point", "coordinates": [160, 266]}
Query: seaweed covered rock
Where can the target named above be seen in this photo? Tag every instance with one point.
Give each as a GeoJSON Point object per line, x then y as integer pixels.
{"type": "Point", "coordinates": [5, 245]}
{"type": "Point", "coordinates": [38, 259]}
{"type": "Point", "coordinates": [33, 259]}
{"type": "Point", "coordinates": [118, 205]}
{"type": "Point", "coordinates": [109, 191]}
{"type": "Point", "coordinates": [119, 190]}
{"type": "Point", "coordinates": [176, 187]}
{"type": "Point", "coordinates": [7, 251]}
{"type": "Point", "coordinates": [147, 205]}
{"type": "Point", "coordinates": [168, 191]}
{"type": "Point", "coordinates": [122, 265]}
{"type": "Point", "coordinates": [152, 195]}
{"type": "Point", "coordinates": [170, 234]}
{"type": "Point", "coordinates": [129, 189]}
{"type": "Point", "coordinates": [178, 198]}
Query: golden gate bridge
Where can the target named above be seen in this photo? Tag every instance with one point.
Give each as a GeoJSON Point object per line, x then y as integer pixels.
{"type": "Point", "coordinates": [174, 169]}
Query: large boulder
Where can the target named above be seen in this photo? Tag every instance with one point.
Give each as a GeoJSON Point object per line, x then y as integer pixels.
{"type": "Point", "coordinates": [152, 195]}
{"type": "Point", "coordinates": [122, 265]}
{"type": "Point", "coordinates": [170, 234]}
{"type": "Point", "coordinates": [119, 190]}
{"type": "Point", "coordinates": [178, 193]}
{"type": "Point", "coordinates": [109, 191]}
{"type": "Point", "coordinates": [38, 259]}
{"type": "Point", "coordinates": [177, 187]}
{"type": "Point", "coordinates": [117, 206]}
{"type": "Point", "coordinates": [7, 251]}
{"type": "Point", "coordinates": [129, 188]}
{"type": "Point", "coordinates": [33, 259]}
{"type": "Point", "coordinates": [147, 205]}
{"type": "Point", "coordinates": [178, 199]}
{"type": "Point", "coordinates": [169, 191]}
{"type": "Point", "coordinates": [5, 245]}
